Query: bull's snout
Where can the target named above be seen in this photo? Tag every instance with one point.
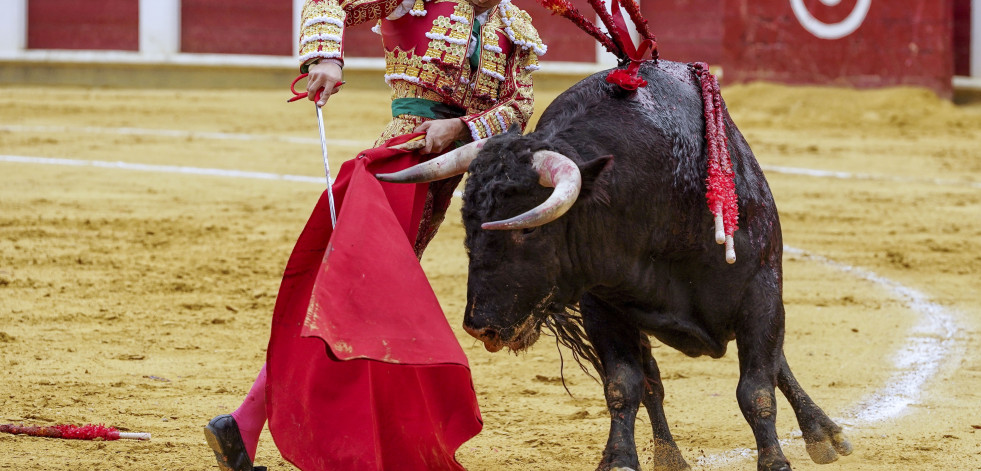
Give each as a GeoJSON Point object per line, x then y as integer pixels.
{"type": "Point", "coordinates": [517, 337]}
{"type": "Point", "coordinates": [499, 327]}
{"type": "Point", "coordinates": [489, 335]}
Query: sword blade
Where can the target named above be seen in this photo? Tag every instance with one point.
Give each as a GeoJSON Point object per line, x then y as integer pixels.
{"type": "Point", "coordinates": [323, 145]}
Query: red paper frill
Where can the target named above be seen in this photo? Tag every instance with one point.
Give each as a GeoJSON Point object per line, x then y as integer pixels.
{"type": "Point", "coordinates": [625, 79]}
{"type": "Point", "coordinates": [88, 432]}
{"type": "Point", "coordinates": [721, 186]}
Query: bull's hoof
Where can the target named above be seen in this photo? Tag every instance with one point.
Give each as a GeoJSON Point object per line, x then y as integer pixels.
{"type": "Point", "coordinates": [622, 460]}
{"type": "Point", "coordinates": [821, 452]}
{"type": "Point", "coordinates": [772, 460]}
{"type": "Point", "coordinates": [667, 457]}
{"type": "Point", "coordinates": [827, 451]}
{"type": "Point", "coordinates": [842, 444]}
{"type": "Point", "coordinates": [671, 467]}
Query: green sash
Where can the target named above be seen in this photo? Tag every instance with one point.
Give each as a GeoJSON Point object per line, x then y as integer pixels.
{"type": "Point", "coordinates": [425, 108]}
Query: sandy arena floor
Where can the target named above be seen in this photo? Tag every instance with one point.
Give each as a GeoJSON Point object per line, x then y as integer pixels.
{"type": "Point", "coordinates": [141, 298]}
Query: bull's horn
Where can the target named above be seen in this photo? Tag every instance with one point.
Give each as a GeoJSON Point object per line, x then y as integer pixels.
{"type": "Point", "coordinates": [554, 170]}
{"type": "Point", "coordinates": [450, 164]}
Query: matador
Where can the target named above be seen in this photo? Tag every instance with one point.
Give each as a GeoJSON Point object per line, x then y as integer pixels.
{"type": "Point", "coordinates": [459, 70]}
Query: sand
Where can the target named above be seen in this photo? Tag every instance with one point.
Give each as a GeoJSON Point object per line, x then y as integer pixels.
{"type": "Point", "coordinates": [142, 299]}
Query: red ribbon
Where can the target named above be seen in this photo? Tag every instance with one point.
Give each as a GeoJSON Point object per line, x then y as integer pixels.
{"type": "Point", "coordinates": [627, 79]}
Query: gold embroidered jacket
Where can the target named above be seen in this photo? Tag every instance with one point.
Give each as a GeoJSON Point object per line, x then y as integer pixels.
{"type": "Point", "coordinates": [426, 45]}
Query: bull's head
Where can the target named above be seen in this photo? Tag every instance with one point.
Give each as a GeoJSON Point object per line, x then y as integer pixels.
{"type": "Point", "coordinates": [517, 258]}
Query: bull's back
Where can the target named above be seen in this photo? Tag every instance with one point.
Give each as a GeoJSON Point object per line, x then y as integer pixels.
{"type": "Point", "coordinates": [657, 131]}
{"type": "Point", "coordinates": [657, 138]}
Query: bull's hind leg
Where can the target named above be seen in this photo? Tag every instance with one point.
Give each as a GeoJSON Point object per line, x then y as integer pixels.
{"type": "Point", "coordinates": [667, 456]}
{"type": "Point", "coordinates": [759, 337]}
{"type": "Point", "coordinates": [823, 438]}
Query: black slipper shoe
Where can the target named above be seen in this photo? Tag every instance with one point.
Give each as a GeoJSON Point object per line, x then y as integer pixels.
{"type": "Point", "coordinates": [225, 439]}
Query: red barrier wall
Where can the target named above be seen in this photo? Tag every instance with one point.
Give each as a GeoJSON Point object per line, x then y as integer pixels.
{"type": "Point", "coordinates": [237, 27]}
{"type": "Point", "coordinates": [565, 41]}
{"type": "Point", "coordinates": [244, 27]}
{"type": "Point", "coordinates": [894, 43]}
{"type": "Point", "coordinates": [71, 24]}
{"type": "Point", "coordinates": [360, 41]}
{"type": "Point", "coordinates": [962, 37]}
{"type": "Point", "coordinates": [686, 30]}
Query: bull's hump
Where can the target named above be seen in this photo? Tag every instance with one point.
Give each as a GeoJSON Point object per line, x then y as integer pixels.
{"type": "Point", "coordinates": [671, 100]}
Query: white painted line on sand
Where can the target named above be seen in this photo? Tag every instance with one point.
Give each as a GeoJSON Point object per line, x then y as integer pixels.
{"type": "Point", "coordinates": [216, 172]}
{"type": "Point", "coordinates": [928, 346]}
{"type": "Point", "coordinates": [866, 176]}
{"type": "Point", "coordinates": [181, 134]}
{"type": "Point", "coordinates": [175, 133]}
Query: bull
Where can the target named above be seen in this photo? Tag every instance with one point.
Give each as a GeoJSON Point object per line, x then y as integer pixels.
{"type": "Point", "coordinates": [596, 227]}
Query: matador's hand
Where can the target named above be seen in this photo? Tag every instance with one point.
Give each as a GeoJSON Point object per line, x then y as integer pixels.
{"type": "Point", "coordinates": [441, 133]}
{"type": "Point", "coordinates": [323, 75]}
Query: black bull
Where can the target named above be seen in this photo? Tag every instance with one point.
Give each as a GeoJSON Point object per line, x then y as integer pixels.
{"type": "Point", "coordinates": [636, 257]}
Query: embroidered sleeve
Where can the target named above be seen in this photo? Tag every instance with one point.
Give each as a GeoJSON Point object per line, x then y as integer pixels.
{"type": "Point", "coordinates": [323, 22]}
{"type": "Point", "coordinates": [517, 99]}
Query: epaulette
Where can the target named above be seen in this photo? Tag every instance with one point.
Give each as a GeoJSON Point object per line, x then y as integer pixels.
{"type": "Point", "coordinates": [517, 25]}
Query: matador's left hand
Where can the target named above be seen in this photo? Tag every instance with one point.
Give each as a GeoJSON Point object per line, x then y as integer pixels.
{"type": "Point", "coordinates": [441, 133]}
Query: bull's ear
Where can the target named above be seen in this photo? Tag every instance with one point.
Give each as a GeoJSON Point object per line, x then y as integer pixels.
{"type": "Point", "coordinates": [596, 176]}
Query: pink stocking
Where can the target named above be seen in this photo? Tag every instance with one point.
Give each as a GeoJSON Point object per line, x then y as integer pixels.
{"type": "Point", "coordinates": [251, 415]}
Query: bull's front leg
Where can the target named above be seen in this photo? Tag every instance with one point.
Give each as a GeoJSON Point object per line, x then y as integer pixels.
{"type": "Point", "coordinates": [667, 456]}
{"type": "Point", "coordinates": [619, 350]}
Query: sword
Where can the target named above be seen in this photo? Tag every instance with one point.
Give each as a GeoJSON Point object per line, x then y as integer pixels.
{"type": "Point", "coordinates": [323, 145]}
{"type": "Point", "coordinates": [323, 140]}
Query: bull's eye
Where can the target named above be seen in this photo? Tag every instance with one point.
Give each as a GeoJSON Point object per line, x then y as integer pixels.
{"type": "Point", "coordinates": [528, 230]}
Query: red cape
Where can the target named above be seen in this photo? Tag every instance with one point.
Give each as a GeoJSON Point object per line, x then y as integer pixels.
{"type": "Point", "coordinates": [364, 372]}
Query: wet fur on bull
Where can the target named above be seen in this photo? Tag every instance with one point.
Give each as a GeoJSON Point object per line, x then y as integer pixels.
{"type": "Point", "coordinates": [637, 256]}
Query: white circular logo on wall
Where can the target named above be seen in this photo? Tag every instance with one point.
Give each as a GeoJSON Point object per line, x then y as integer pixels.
{"type": "Point", "coordinates": [833, 30]}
